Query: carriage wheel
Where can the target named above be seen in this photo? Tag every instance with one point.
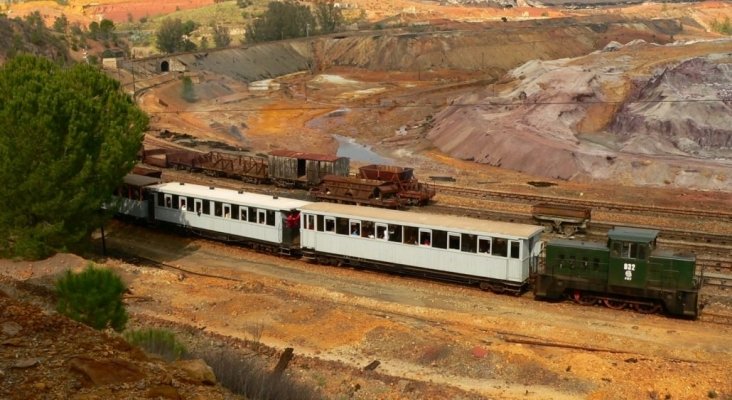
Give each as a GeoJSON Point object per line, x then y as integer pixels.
{"type": "Point", "coordinates": [615, 304]}
{"type": "Point", "coordinates": [583, 299]}
{"type": "Point", "coordinates": [647, 308]}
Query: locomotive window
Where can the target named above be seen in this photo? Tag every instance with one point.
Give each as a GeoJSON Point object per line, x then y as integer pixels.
{"type": "Point", "coordinates": [394, 233]}
{"type": "Point", "coordinates": [561, 261]}
{"type": "Point", "coordinates": [270, 218]}
{"type": "Point", "coordinates": [355, 228]}
{"type": "Point", "coordinates": [217, 208]}
{"type": "Point", "coordinates": [176, 200]}
{"type": "Point", "coordinates": [468, 243]}
{"type": "Point", "coordinates": [515, 249]}
{"type": "Point", "coordinates": [500, 247]}
{"type": "Point", "coordinates": [572, 261]}
{"type": "Point", "coordinates": [207, 207]}
{"type": "Point", "coordinates": [190, 203]}
{"type": "Point", "coordinates": [411, 235]}
{"type": "Point", "coordinates": [585, 262]}
{"type": "Point", "coordinates": [596, 264]}
{"type": "Point", "coordinates": [234, 211]}
{"type": "Point", "coordinates": [453, 241]}
{"type": "Point", "coordinates": [330, 224]}
{"type": "Point", "coordinates": [341, 226]}
{"type": "Point", "coordinates": [320, 223]}
{"type": "Point", "coordinates": [484, 245]}
{"type": "Point", "coordinates": [439, 239]}
{"type": "Point", "coordinates": [642, 252]}
{"type": "Point", "coordinates": [616, 248]}
{"type": "Point", "coordinates": [425, 238]}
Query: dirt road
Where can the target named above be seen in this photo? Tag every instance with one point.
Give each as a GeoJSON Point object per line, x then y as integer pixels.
{"type": "Point", "coordinates": [433, 340]}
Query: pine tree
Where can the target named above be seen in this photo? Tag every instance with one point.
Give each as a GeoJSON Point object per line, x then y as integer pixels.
{"type": "Point", "coordinates": [92, 297]}
{"type": "Point", "coordinates": [67, 138]}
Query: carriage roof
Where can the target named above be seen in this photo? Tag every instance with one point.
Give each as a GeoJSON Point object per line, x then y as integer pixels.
{"type": "Point", "coordinates": [229, 196]}
{"type": "Point", "coordinates": [435, 221]}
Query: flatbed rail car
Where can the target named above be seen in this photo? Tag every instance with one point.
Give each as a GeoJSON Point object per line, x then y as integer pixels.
{"type": "Point", "coordinates": [411, 189]}
{"type": "Point", "coordinates": [350, 190]}
{"type": "Point", "coordinates": [562, 218]}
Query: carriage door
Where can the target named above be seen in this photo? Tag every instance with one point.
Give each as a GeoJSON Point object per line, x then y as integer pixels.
{"type": "Point", "coordinates": [518, 270]}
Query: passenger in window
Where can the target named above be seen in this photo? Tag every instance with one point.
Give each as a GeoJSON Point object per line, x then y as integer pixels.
{"type": "Point", "coordinates": [354, 232]}
{"type": "Point", "coordinates": [198, 209]}
{"type": "Point", "coordinates": [168, 203]}
{"type": "Point", "coordinates": [183, 205]}
{"type": "Point", "coordinates": [426, 242]}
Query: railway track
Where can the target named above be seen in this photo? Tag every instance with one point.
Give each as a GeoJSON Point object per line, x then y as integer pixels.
{"type": "Point", "coordinates": [595, 204]}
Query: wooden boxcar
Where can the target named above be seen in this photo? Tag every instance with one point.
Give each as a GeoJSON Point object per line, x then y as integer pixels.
{"type": "Point", "coordinates": [627, 272]}
{"type": "Point", "coordinates": [289, 168]}
{"type": "Point", "coordinates": [563, 218]}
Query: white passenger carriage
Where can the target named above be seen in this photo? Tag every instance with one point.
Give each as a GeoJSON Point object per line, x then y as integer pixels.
{"type": "Point", "coordinates": [498, 255]}
{"type": "Point", "coordinates": [131, 198]}
{"type": "Point", "coordinates": [233, 214]}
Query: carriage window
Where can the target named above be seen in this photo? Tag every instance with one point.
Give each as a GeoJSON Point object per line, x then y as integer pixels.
{"type": "Point", "coordinates": [330, 224]}
{"type": "Point", "coordinates": [217, 208]}
{"type": "Point", "coordinates": [190, 203]}
{"type": "Point", "coordinates": [382, 232]}
{"type": "Point", "coordinates": [234, 211]}
{"type": "Point", "coordinates": [310, 222]}
{"type": "Point", "coordinates": [183, 204]}
{"type": "Point", "coordinates": [199, 207]}
{"type": "Point", "coordinates": [252, 214]}
{"type": "Point", "coordinates": [355, 228]}
{"type": "Point", "coordinates": [168, 201]}
{"type": "Point", "coordinates": [500, 247]}
{"type": "Point", "coordinates": [342, 226]}
{"type": "Point", "coordinates": [176, 200]}
{"type": "Point", "coordinates": [270, 218]}
{"type": "Point", "coordinates": [515, 249]}
{"type": "Point", "coordinates": [207, 207]}
{"type": "Point", "coordinates": [161, 199]}
{"type": "Point", "coordinates": [367, 229]}
{"type": "Point", "coordinates": [484, 245]}
{"type": "Point", "coordinates": [453, 241]}
{"type": "Point", "coordinates": [468, 243]}
{"type": "Point", "coordinates": [321, 223]}
{"type": "Point", "coordinates": [411, 235]}
{"type": "Point", "coordinates": [262, 217]}
{"type": "Point", "coordinates": [439, 239]}
{"type": "Point", "coordinates": [227, 210]}
{"type": "Point", "coordinates": [395, 233]}
{"type": "Point", "coordinates": [425, 238]}
{"type": "Point", "coordinates": [243, 211]}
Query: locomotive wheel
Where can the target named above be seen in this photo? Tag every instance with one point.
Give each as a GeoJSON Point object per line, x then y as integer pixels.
{"type": "Point", "coordinates": [615, 304]}
{"type": "Point", "coordinates": [583, 299]}
{"type": "Point", "coordinates": [647, 308]}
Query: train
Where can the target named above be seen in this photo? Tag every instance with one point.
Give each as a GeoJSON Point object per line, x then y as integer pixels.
{"type": "Point", "coordinates": [327, 177]}
{"type": "Point", "coordinates": [626, 271]}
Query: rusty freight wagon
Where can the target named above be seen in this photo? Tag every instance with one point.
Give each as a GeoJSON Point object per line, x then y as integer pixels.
{"type": "Point", "coordinates": [562, 218]}
{"type": "Point", "coordinates": [411, 190]}
{"type": "Point", "coordinates": [289, 168]}
{"type": "Point", "coordinates": [349, 190]}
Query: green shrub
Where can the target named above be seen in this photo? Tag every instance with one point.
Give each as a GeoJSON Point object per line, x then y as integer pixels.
{"type": "Point", "coordinates": [157, 341]}
{"type": "Point", "coordinates": [724, 27]}
{"type": "Point", "coordinates": [92, 297]}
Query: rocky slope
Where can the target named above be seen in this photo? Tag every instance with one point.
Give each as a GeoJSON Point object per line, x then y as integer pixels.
{"type": "Point", "coordinates": [640, 113]}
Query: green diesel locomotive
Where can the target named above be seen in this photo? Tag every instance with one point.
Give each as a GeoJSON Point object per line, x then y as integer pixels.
{"type": "Point", "coordinates": [628, 271]}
